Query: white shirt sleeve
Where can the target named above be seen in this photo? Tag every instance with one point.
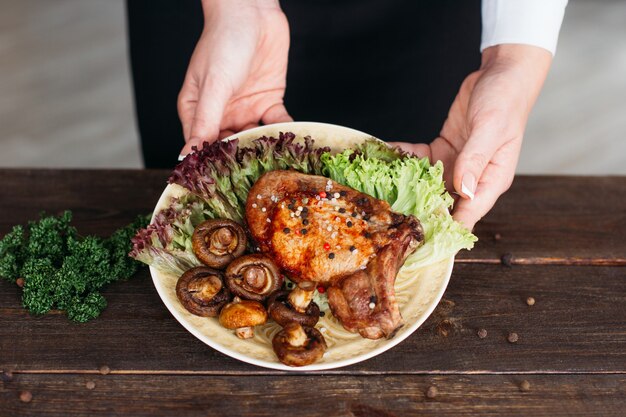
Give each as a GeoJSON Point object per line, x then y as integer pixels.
{"type": "Point", "coordinates": [530, 22]}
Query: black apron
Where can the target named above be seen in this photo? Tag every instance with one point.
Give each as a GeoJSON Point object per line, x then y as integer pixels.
{"type": "Point", "coordinates": [390, 68]}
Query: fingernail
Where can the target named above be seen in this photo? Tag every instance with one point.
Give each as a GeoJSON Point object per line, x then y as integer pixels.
{"type": "Point", "coordinates": [468, 185]}
{"type": "Point", "coordinates": [181, 157]}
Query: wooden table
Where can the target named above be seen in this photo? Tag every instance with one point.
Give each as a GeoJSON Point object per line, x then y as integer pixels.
{"type": "Point", "coordinates": [566, 242]}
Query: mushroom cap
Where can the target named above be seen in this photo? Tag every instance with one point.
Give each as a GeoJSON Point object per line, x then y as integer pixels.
{"type": "Point", "coordinates": [253, 277]}
{"type": "Point", "coordinates": [244, 313]}
{"type": "Point", "coordinates": [202, 292]}
{"type": "Point", "coordinates": [307, 353]}
{"type": "Point", "coordinates": [217, 242]}
{"type": "Point", "coordinates": [282, 313]}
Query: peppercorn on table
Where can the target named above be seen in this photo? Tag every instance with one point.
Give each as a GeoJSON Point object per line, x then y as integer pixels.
{"type": "Point", "coordinates": [533, 321]}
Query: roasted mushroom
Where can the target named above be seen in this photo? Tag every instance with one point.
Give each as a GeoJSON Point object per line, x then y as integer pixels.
{"type": "Point", "coordinates": [242, 316]}
{"type": "Point", "coordinates": [201, 291]}
{"type": "Point", "coordinates": [298, 346]}
{"type": "Point", "coordinates": [295, 306]}
{"type": "Point", "coordinates": [217, 242]}
{"type": "Point", "coordinates": [253, 277]}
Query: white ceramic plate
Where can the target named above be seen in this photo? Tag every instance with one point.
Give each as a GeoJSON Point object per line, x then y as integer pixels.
{"type": "Point", "coordinates": [417, 291]}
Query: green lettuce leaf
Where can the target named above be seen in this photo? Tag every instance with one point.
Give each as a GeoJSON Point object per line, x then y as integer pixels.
{"type": "Point", "coordinates": [411, 186]}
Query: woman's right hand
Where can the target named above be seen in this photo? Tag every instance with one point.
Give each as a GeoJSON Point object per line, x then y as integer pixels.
{"type": "Point", "coordinates": [237, 73]}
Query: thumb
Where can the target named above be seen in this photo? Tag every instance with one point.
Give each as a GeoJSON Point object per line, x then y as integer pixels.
{"type": "Point", "coordinates": [207, 118]}
{"type": "Point", "coordinates": [276, 114]}
{"type": "Point", "coordinates": [472, 161]}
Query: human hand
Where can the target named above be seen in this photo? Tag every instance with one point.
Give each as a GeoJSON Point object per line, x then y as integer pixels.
{"type": "Point", "coordinates": [237, 73]}
{"type": "Point", "coordinates": [480, 141]}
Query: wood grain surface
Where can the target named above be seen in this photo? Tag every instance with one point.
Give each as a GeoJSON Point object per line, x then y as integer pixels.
{"type": "Point", "coordinates": [540, 220]}
{"type": "Point", "coordinates": [306, 395]}
{"type": "Point", "coordinates": [576, 325]}
{"type": "Point", "coordinates": [556, 220]}
{"type": "Point", "coordinates": [565, 250]}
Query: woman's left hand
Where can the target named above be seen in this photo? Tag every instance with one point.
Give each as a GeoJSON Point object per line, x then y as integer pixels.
{"type": "Point", "coordinates": [481, 139]}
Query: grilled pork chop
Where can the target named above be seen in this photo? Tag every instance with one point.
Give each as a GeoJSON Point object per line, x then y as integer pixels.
{"type": "Point", "coordinates": [349, 242]}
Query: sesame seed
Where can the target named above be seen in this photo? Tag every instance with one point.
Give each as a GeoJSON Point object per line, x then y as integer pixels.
{"type": "Point", "coordinates": [329, 182]}
{"type": "Point", "coordinates": [292, 214]}
{"type": "Point", "coordinates": [336, 195]}
{"type": "Point", "coordinates": [371, 306]}
{"type": "Point", "coordinates": [337, 218]}
{"type": "Point", "coordinates": [254, 205]}
{"type": "Point", "coordinates": [317, 197]}
{"type": "Point", "coordinates": [299, 208]}
{"type": "Point", "coordinates": [268, 220]}
{"type": "Point", "coordinates": [333, 235]}
{"type": "Point", "coordinates": [263, 209]}
{"type": "Point", "coordinates": [329, 228]}
{"type": "Point", "coordinates": [331, 255]}
{"type": "Point", "coordinates": [322, 329]}
{"type": "Point", "coordinates": [259, 196]}
{"type": "Point", "coordinates": [334, 200]}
